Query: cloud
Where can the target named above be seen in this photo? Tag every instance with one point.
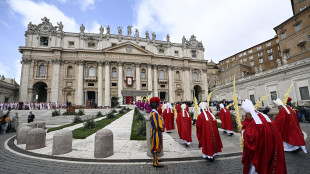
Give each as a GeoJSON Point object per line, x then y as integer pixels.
{"type": "Point", "coordinates": [86, 4]}
{"type": "Point", "coordinates": [94, 27]}
{"type": "Point", "coordinates": [225, 27]}
{"type": "Point", "coordinates": [62, 1]}
{"type": "Point", "coordinates": [33, 12]}
{"type": "Point", "coordinates": [4, 70]}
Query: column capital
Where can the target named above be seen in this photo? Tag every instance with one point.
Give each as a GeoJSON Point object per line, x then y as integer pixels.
{"type": "Point", "coordinates": [170, 67]}
{"type": "Point", "coordinates": [120, 63]}
{"type": "Point", "coordinates": [155, 66]}
{"type": "Point", "coordinates": [107, 62]}
{"type": "Point", "coordinates": [26, 61]}
{"type": "Point", "coordinates": [57, 61]}
{"type": "Point", "coordinates": [80, 62]}
{"type": "Point", "coordinates": [149, 65]}
{"type": "Point", "coordinates": [186, 68]}
{"type": "Point", "coordinates": [100, 63]}
{"type": "Point", "coordinates": [137, 64]}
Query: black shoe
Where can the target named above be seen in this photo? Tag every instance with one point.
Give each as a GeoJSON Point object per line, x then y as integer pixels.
{"type": "Point", "coordinates": [186, 145]}
{"type": "Point", "coordinates": [159, 166]}
{"type": "Point", "coordinates": [297, 150]}
{"type": "Point", "coordinates": [231, 134]}
{"type": "Point", "coordinates": [210, 159]}
{"type": "Point", "coordinates": [224, 132]}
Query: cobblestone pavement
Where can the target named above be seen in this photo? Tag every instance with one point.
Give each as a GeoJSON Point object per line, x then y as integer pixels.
{"type": "Point", "coordinates": [15, 164]}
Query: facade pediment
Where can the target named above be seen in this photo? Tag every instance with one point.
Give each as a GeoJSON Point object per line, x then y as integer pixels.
{"type": "Point", "coordinates": [128, 48]}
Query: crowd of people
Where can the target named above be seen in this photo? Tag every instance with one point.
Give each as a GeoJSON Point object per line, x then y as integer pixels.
{"type": "Point", "coordinates": [264, 140]}
{"type": "Point", "coordinates": [32, 105]}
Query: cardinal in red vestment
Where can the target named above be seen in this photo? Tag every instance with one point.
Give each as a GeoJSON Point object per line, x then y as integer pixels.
{"type": "Point", "coordinates": [178, 108]}
{"type": "Point", "coordinates": [168, 116]}
{"type": "Point", "coordinates": [225, 117]}
{"type": "Point", "coordinates": [263, 148]}
{"type": "Point", "coordinates": [208, 134]}
{"type": "Point", "coordinates": [184, 123]}
{"type": "Point", "coordinates": [287, 123]}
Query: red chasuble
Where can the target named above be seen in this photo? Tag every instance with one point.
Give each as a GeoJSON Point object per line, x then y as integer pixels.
{"type": "Point", "coordinates": [178, 108]}
{"type": "Point", "coordinates": [263, 148]}
{"type": "Point", "coordinates": [289, 127]}
{"type": "Point", "coordinates": [245, 122]}
{"type": "Point", "coordinates": [184, 123]}
{"type": "Point", "coordinates": [226, 119]}
{"type": "Point", "coordinates": [168, 119]}
{"type": "Point", "coordinates": [208, 135]}
{"type": "Point", "coordinates": [159, 110]}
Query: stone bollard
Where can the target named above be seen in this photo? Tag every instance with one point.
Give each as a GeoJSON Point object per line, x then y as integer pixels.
{"type": "Point", "coordinates": [62, 142]}
{"type": "Point", "coordinates": [33, 125]}
{"type": "Point", "coordinates": [148, 137]}
{"type": "Point", "coordinates": [35, 139]}
{"type": "Point", "coordinates": [21, 137]}
{"type": "Point", "coordinates": [15, 122]}
{"type": "Point", "coordinates": [103, 143]}
{"type": "Point", "coordinates": [19, 127]}
{"type": "Point", "coordinates": [40, 124]}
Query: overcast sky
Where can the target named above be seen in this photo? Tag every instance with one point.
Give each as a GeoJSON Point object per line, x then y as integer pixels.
{"type": "Point", "coordinates": [225, 27]}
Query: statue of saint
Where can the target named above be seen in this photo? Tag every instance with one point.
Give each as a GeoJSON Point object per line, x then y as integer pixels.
{"type": "Point", "coordinates": [82, 28]}
{"type": "Point", "coordinates": [30, 26]}
{"type": "Point", "coordinates": [119, 28]}
{"type": "Point", "coordinates": [153, 36]}
{"type": "Point", "coordinates": [147, 35]}
{"type": "Point", "coordinates": [101, 29]}
{"type": "Point", "coordinates": [129, 30]}
{"type": "Point", "coordinates": [60, 26]}
{"type": "Point", "coordinates": [183, 40]}
{"type": "Point", "coordinates": [108, 29]}
{"type": "Point", "coordinates": [168, 38]}
{"type": "Point", "coordinates": [137, 33]}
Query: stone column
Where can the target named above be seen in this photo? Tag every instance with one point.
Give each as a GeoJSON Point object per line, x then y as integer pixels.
{"type": "Point", "coordinates": [149, 79]}
{"type": "Point", "coordinates": [155, 81]}
{"type": "Point", "coordinates": [100, 84]}
{"type": "Point", "coordinates": [120, 82]}
{"type": "Point", "coordinates": [55, 80]}
{"type": "Point", "coordinates": [24, 79]}
{"type": "Point", "coordinates": [204, 77]}
{"type": "Point", "coordinates": [171, 84]}
{"type": "Point", "coordinates": [138, 74]}
{"type": "Point", "coordinates": [107, 84]}
{"type": "Point", "coordinates": [80, 89]}
{"type": "Point", "coordinates": [187, 82]}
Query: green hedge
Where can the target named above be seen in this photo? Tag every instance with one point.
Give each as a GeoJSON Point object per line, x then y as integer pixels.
{"type": "Point", "coordinates": [138, 128]}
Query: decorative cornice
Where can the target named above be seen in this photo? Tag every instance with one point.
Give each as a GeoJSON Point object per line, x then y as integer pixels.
{"type": "Point", "coordinates": [26, 61]}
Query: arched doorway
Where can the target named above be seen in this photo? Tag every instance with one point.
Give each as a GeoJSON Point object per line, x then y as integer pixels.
{"type": "Point", "coordinates": [197, 92]}
{"type": "Point", "coordinates": [40, 89]}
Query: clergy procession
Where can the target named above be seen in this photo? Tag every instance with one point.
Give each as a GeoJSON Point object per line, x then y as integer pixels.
{"type": "Point", "coordinates": [262, 139]}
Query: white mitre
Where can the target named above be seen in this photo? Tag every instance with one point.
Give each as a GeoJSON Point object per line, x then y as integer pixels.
{"type": "Point", "coordinates": [202, 105]}
{"type": "Point", "coordinates": [221, 105]}
{"type": "Point", "coordinates": [278, 102]}
{"type": "Point", "coordinates": [248, 107]}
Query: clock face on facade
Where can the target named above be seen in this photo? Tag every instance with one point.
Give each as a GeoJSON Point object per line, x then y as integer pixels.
{"type": "Point", "coordinates": [194, 43]}
{"type": "Point", "coordinates": [45, 28]}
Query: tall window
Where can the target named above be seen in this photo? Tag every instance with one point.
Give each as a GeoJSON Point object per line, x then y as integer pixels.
{"type": "Point", "coordinates": [195, 76]}
{"type": "Point", "coordinates": [287, 54]}
{"type": "Point", "coordinates": [43, 41]}
{"type": "Point", "coordinates": [91, 72]}
{"type": "Point", "coordinates": [143, 74]}
{"type": "Point", "coordinates": [283, 35]}
{"type": "Point", "coordinates": [194, 53]}
{"type": "Point", "coordinates": [128, 72]}
{"type": "Point", "coordinates": [261, 60]}
{"type": "Point", "coordinates": [42, 70]}
{"type": "Point", "coordinates": [252, 98]}
{"type": "Point", "coordinates": [161, 74]}
{"type": "Point", "coordinates": [114, 74]}
{"type": "Point", "coordinates": [273, 95]}
{"type": "Point", "coordinates": [304, 93]}
{"type": "Point", "coordinates": [270, 57]}
{"type": "Point", "coordinates": [177, 75]}
{"type": "Point", "coordinates": [70, 72]}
